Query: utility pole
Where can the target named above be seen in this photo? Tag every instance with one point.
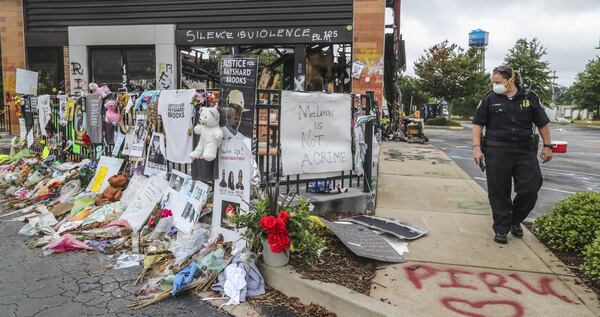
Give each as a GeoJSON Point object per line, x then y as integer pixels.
{"type": "Point", "coordinates": [554, 87]}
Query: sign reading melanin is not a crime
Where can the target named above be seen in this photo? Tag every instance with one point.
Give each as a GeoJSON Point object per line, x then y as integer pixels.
{"type": "Point", "coordinates": [315, 133]}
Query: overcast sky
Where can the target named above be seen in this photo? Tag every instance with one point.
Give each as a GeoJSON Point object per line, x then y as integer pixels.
{"type": "Point", "coordinates": [569, 29]}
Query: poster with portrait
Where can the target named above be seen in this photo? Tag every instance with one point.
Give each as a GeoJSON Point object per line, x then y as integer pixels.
{"type": "Point", "coordinates": [95, 123]}
{"type": "Point", "coordinates": [238, 95]}
{"type": "Point", "coordinates": [200, 192]}
{"type": "Point", "coordinates": [79, 125]}
{"type": "Point", "coordinates": [187, 214]}
{"type": "Point", "coordinates": [138, 137]}
{"type": "Point", "coordinates": [232, 188]}
{"type": "Point", "coordinates": [177, 180]}
{"type": "Point", "coordinates": [62, 109]}
{"type": "Point", "coordinates": [156, 164]}
{"type": "Point", "coordinates": [180, 196]}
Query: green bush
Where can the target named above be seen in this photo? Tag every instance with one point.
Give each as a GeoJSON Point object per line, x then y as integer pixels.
{"type": "Point", "coordinates": [442, 121]}
{"type": "Point", "coordinates": [591, 260]}
{"type": "Point", "coordinates": [571, 225]}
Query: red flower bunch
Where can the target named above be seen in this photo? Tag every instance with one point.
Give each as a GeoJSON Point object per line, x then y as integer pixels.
{"type": "Point", "coordinates": [166, 213]}
{"type": "Point", "coordinates": [86, 140]}
{"type": "Point", "coordinates": [277, 231]}
{"type": "Point", "coordinates": [152, 222]}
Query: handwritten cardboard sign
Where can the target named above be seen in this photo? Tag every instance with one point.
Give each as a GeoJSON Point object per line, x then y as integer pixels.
{"type": "Point", "coordinates": [140, 207]}
{"type": "Point", "coordinates": [315, 132]}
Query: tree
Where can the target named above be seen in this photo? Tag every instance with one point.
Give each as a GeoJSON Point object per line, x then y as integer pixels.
{"type": "Point", "coordinates": [586, 88]}
{"type": "Point", "coordinates": [526, 57]}
{"type": "Point", "coordinates": [411, 88]}
{"type": "Point", "coordinates": [449, 72]}
{"type": "Point", "coordinates": [563, 95]}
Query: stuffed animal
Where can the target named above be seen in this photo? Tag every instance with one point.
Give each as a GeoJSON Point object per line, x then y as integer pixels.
{"type": "Point", "coordinates": [210, 133]}
{"type": "Point", "coordinates": [114, 191]}
{"type": "Point", "coordinates": [111, 117]}
{"type": "Point", "coordinates": [103, 91]}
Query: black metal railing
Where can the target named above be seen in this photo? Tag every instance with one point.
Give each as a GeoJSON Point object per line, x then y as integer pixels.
{"type": "Point", "coordinates": [266, 144]}
{"type": "Point", "coordinates": [5, 118]}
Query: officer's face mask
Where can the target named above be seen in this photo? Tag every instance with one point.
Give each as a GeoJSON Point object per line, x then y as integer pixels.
{"type": "Point", "coordinates": [501, 89]}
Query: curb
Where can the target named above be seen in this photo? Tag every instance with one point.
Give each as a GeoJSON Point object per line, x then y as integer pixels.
{"type": "Point", "coordinates": [438, 127]}
{"type": "Point", "coordinates": [335, 298]}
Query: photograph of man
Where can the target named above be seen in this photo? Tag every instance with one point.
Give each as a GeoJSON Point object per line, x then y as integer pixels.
{"type": "Point", "coordinates": [164, 203]}
{"type": "Point", "coordinates": [231, 111]}
{"type": "Point", "coordinates": [231, 181]}
{"type": "Point", "coordinates": [140, 128]}
{"type": "Point", "coordinates": [240, 183]}
{"type": "Point", "coordinates": [175, 182]}
{"type": "Point", "coordinates": [188, 212]}
{"type": "Point", "coordinates": [155, 154]}
{"type": "Point", "coordinates": [223, 183]}
{"type": "Point", "coordinates": [79, 120]}
{"type": "Point", "coordinates": [186, 189]}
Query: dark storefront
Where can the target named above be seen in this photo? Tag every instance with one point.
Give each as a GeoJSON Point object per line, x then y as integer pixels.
{"type": "Point", "coordinates": [297, 32]}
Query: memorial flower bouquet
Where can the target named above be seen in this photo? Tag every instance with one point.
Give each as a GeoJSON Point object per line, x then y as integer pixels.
{"type": "Point", "coordinates": [283, 224]}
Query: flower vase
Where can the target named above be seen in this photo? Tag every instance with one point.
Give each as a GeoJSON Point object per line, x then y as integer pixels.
{"type": "Point", "coordinates": [274, 259]}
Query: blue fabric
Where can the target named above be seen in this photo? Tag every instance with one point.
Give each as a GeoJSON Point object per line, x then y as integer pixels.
{"type": "Point", "coordinates": [183, 278]}
{"type": "Point", "coordinates": [141, 104]}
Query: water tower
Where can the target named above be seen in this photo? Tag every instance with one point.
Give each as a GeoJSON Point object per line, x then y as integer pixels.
{"type": "Point", "coordinates": [478, 39]}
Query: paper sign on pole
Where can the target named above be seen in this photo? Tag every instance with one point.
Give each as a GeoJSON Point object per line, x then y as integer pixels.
{"type": "Point", "coordinates": [316, 134]}
{"type": "Point", "coordinates": [27, 82]}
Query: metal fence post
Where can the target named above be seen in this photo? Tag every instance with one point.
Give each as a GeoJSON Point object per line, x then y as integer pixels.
{"type": "Point", "coordinates": [368, 162]}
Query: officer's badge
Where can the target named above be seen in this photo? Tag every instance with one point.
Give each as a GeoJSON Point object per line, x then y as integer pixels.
{"type": "Point", "coordinates": [526, 103]}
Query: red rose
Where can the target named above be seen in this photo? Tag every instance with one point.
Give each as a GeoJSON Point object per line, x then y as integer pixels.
{"type": "Point", "coordinates": [278, 242]}
{"type": "Point", "coordinates": [166, 213]}
{"type": "Point", "coordinates": [284, 215]}
{"type": "Point", "coordinates": [267, 223]}
{"type": "Point", "coordinates": [86, 140]}
{"type": "Point", "coordinates": [152, 222]}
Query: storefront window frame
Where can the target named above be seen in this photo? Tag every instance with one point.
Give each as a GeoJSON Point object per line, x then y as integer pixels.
{"type": "Point", "coordinates": [123, 52]}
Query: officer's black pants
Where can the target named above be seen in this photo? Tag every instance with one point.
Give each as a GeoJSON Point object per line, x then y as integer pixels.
{"type": "Point", "coordinates": [503, 165]}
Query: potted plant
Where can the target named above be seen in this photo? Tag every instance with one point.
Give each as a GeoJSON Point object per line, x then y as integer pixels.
{"type": "Point", "coordinates": [280, 229]}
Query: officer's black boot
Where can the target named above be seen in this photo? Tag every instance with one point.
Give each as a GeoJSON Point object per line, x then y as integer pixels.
{"type": "Point", "coordinates": [516, 230]}
{"type": "Point", "coordinates": [501, 238]}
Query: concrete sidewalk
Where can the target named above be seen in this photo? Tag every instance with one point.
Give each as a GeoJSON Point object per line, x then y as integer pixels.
{"type": "Point", "coordinates": [457, 269]}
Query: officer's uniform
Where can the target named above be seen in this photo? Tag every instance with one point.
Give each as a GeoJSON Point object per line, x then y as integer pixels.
{"type": "Point", "coordinates": [510, 154]}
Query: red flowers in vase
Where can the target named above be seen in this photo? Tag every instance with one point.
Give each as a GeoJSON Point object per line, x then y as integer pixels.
{"type": "Point", "coordinates": [277, 231]}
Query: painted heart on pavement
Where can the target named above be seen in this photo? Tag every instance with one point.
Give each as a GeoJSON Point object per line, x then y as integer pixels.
{"type": "Point", "coordinates": [450, 303]}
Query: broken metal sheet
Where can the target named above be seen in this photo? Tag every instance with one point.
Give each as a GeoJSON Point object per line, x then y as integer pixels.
{"type": "Point", "coordinates": [401, 230]}
{"type": "Point", "coordinates": [364, 242]}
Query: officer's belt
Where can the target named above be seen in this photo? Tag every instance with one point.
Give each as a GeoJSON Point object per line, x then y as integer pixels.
{"type": "Point", "coordinates": [491, 143]}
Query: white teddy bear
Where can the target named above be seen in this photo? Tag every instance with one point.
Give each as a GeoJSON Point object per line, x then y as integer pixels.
{"type": "Point", "coordinates": [210, 133]}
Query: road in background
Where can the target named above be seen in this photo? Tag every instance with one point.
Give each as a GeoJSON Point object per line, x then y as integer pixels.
{"type": "Point", "coordinates": [577, 170]}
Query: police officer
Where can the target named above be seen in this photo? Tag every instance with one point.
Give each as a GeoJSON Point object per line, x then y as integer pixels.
{"type": "Point", "coordinates": [508, 113]}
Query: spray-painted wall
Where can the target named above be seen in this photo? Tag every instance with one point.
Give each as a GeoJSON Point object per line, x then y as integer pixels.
{"type": "Point", "coordinates": [161, 36]}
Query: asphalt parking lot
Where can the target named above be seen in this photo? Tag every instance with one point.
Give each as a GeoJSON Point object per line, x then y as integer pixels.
{"type": "Point", "coordinates": [577, 170]}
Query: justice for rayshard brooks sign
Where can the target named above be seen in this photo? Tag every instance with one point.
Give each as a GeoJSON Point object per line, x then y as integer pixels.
{"type": "Point", "coordinates": [315, 132]}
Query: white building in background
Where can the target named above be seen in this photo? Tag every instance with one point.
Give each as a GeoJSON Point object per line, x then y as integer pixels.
{"type": "Point", "coordinates": [567, 112]}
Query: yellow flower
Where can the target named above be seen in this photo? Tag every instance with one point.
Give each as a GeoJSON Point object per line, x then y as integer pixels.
{"type": "Point", "coordinates": [316, 220]}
